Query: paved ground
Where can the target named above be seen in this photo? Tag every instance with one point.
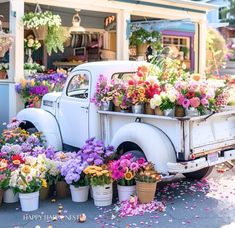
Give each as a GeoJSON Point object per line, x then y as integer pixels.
{"type": "Point", "coordinates": [209, 203]}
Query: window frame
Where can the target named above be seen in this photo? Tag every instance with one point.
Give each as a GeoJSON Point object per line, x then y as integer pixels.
{"type": "Point", "coordinates": [75, 74]}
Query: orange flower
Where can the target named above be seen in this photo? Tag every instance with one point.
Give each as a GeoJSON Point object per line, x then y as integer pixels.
{"type": "Point", "coordinates": [35, 99]}
{"type": "Point", "coordinates": [196, 77]}
{"type": "Point", "coordinates": [3, 164]}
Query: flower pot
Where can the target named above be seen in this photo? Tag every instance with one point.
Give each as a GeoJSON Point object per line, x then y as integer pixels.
{"type": "Point", "coordinates": [148, 109]}
{"type": "Point", "coordinates": [145, 191]}
{"type": "Point", "coordinates": [91, 192]}
{"type": "Point", "coordinates": [106, 106]}
{"type": "Point", "coordinates": [103, 195]}
{"type": "Point", "coordinates": [117, 109]}
{"type": "Point", "coordinates": [3, 74]}
{"type": "Point", "coordinates": [62, 189]}
{"type": "Point", "coordinates": [1, 196]}
{"type": "Point", "coordinates": [29, 201]}
{"type": "Point", "coordinates": [44, 193]}
{"type": "Point", "coordinates": [124, 192]}
{"type": "Point", "coordinates": [141, 49]}
{"type": "Point", "coordinates": [79, 194]}
{"type": "Point", "coordinates": [158, 111]}
{"type": "Point", "coordinates": [192, 112]}
{"type": "Point", "coordinates": [169, 112]}
{"type": "Point", "coordinates": [124, 110]}
{"type": "Point", "coordinates": [138, 108]}
{"type": "Point", "coordinates": [40, 33]}
{"type": "Point", "coordinates": [179, 111]}
{"type": "Point", "coordinates": [10, 197]}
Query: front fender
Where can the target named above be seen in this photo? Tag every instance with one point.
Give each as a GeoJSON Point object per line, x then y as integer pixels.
{"type": "Point", "coordinates": [156, 146]}
{"type": "Point", "coordinates": [45, 122]}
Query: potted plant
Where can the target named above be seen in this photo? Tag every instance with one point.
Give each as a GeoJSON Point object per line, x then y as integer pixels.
{"type": "Point", "coordinates": [31, 45]}
{"type": "Point", "coordinates": [142, 38]}
{"type": "Point", "coordinates": [31, 69]}
{"type": "Point", "coordinates": [103, 94]}
{"type": "Point", "coordinates": [72, 171]}
{"type": "Point", "coordinates": [47, 27]}
{"type": "Point", "coordinates": [28, 180]}
{"type": "Point", "coordinates": [4, 67]}
{"type": "Point", "coordinates": [146, 183]}
{"type": "Point", "coordinates": [4, 177]}
{"type": "Point", "coordinates": [101, 183]}
{"type": "Point", "coordinates": [123, 171]}
{"type": "Point", "coordinates": [61, 187]}
{"type": "Point", "coordinates": [136, 95]}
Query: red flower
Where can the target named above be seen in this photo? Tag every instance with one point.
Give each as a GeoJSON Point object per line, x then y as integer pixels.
{"type": "Point", "coordinates": [17, 159]}
{"type": "Point", "coordinates": [131, 82]}
{"type": "Point", "coordinates": [190, 94]}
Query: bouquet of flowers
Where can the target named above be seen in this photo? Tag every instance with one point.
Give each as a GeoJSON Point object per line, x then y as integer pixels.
{"type": "Point", "coordinates": [148, 174]}
{"type": "Point", "coordinates": [104, 91]}
{"type": "Point", "coordinates": [136, 92]}
{"type": "Point", "coordinates": [95, 152]}
{"type": "Point", "coordinates": [125, 168]}
{"type": "Point", "coordinates": [4, 174]}
{"type": "Point", "coordinates": [98, 175]}
{"type": "Point", "coordinates": [31, 91]}
{"type": "Point", "coordinates": [151, 88]}
{"type": "Point", "coordinates": [31, 43]}
{"type": "Point", "coordinates": [72, 171]}
{"type": "Point", "coordinates": [120, 96]}
{"type": "Point", "coordinates": [29, 177]}
{"type": "Point", "coordinates": [164, 100]}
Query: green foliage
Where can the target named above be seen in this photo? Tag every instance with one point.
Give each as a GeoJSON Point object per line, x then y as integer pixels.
{"type": "Point", "coordinates": [100, 180]}
{"type": "Point", "coordinates": [124, 182]}
{"type": "Point", "coordinates": [55, 39]}
{"type": "Point", "coordinates": [216, 51]}
{"type": "Point", "coordinates": [141, 36]}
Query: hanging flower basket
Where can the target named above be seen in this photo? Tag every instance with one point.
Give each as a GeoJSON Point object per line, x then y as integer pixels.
{"type": "Point", "coordinates": [5, 43]}
{"type": "Point", "coordinates": [40, 32]}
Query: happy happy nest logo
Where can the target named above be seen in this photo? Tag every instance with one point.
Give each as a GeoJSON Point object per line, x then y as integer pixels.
{"type": "Point", "coordinates": [49, 217]}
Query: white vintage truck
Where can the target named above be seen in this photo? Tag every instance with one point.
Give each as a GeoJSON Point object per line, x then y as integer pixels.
{"type": "Point", "coordinates": [188, 145]}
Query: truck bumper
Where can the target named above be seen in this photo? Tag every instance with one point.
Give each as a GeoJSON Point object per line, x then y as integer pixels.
{"type": "Point", "coordinates": [197, 164]}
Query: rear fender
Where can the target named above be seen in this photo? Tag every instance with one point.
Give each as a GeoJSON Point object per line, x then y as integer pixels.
{"type": "Point", "coordinates": [156, 146]}
{"type": "Point", "coordinates": [44, 122]}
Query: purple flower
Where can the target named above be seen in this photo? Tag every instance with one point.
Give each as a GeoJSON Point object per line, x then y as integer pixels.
{"type": "Point", "coordinates": [98, 161]}
{"type": "Point", "coordinates": [134, 166]}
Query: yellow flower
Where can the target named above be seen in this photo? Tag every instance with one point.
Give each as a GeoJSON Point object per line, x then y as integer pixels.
{"type": "Point", "coordinates": [44, 183]}
{"type": "Point", "coordinates": [104, 171]}
{"type": "Point", "coordinates": [196, 77]}
{"type": "Point", "coordinates": [141, 90]}
{"type": "Point", "coordinates": [98, 168]}
{"type": "Point", "coordinates": [32, 82]}
{"type": "Point", "coordinates": [99, 174]}
{"type": "Point", "coordinates": [142, 99]}
{"type": "Point", "coordinates": [26, 169]}
{"type": "Point", "coordinates": [23, 83]}
{"type": "Point", "coordinates": [128, 175]}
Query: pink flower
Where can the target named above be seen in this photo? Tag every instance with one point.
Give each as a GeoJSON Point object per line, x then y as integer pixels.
{"type": "Point", "coordinates": [180, 99]}
{"type": "Point", "coordinates": [141, 161]}
{"type": "Point", "coordinates": [204, 102]}
{"type": "Point", "coordinates": [134, 166]}
{"type": "Point", "coordinates": [186, 103]}
{"type": "Point", "coordinates": [195, 102]}
{"type": "Point", "coordinates": [125, 162]}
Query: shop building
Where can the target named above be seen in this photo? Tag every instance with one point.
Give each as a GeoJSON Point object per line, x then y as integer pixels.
{"type": "Point", "coordinates": [106, 36]}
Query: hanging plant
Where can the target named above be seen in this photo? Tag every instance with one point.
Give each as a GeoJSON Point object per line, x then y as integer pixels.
{"type": "Point", "coordinates": [46, 26]}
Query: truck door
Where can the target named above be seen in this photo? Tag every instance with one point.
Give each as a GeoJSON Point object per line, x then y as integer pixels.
{"type": "Point", "coordinates": [73, 112]}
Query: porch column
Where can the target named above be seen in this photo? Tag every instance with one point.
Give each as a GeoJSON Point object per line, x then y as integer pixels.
{"type": "Point", "coordinates": [16, 58]}
{"type": "Point", "coordinates": [123, 17]}
{"type": "Point", "coordinates": [202, 45]}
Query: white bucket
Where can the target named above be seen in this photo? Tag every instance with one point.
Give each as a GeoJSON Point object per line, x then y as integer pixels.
{"type": "Point", "coordinates": [29, 201]}
{"type": "Point", "coordinates": [103, 195]}
{"type": "Point", "coordinates": [79, 194]}
{"type": "Point", "coordinates": [91, 192]}
{"type": "Point", "coordinates": [10, 197]}
{"type": "Point", "coordinates": [124, 192]}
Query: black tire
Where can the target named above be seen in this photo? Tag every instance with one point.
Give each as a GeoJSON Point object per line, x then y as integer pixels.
{"type": "Point", "coordinates": [32, 130]}
{"type": "Point", "coordinates": [136, 153]}
{"type": "Point", "coordinates": [199, 174]}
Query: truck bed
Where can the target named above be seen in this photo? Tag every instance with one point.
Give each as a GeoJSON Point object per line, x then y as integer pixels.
{"type": "Point", "coordinates": [198, 135]}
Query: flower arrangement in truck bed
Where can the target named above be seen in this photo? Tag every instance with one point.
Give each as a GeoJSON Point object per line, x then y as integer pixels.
{"type": "Point", "coordinates": [179, 94]}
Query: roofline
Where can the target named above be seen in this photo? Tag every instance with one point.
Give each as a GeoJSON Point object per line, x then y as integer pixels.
{"type": "Point", "coordinates": [186, 5]}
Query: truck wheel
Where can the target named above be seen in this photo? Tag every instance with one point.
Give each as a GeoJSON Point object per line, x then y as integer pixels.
{"type": "Point", "coordinates": [199, 174]}
{"type": "Point", "coordinates": [32, 130]}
